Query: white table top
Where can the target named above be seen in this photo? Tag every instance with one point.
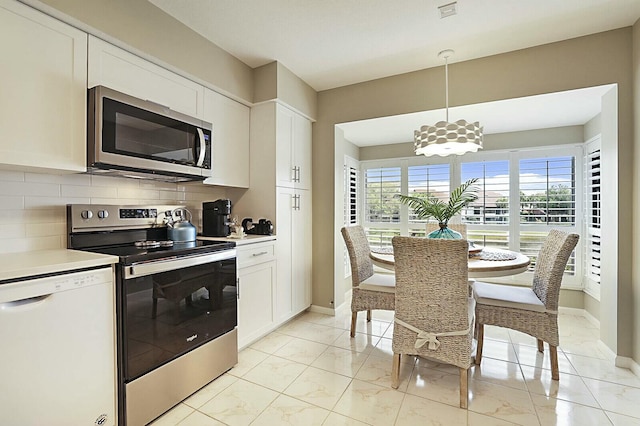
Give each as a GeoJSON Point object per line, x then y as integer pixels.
{"type": "Point", "coordinates": [28, 264]}
{"type": "Point", "coordinates": [478, 268]}
{"type": "Point", "coordinates": [247, 239]}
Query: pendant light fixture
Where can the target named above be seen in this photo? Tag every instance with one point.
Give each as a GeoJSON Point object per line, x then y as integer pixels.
{"type": "Point", "coordinates": [445, 138]}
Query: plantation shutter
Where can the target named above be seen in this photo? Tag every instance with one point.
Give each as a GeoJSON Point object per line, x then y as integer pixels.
{"type": "Point", "coordinates": [593, 225]}
{"type": "Point", "coordinates": [381, 206]}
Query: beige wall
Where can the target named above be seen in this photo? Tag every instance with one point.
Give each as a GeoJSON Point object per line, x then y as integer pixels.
{"type": "Point", "coordinates": [634, 320]}
{"type": "Point", "coordinates": [275, 81]}
{"type": "Point", "coordinates": [571, 64]}
{"type": "Point", "coordinates": [147, 29]}
{"type": "Point", "coordinates": [510, 140]}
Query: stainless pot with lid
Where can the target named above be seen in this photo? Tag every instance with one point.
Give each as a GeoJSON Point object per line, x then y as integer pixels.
{"type": "Point", "coordinates": [179, 226]}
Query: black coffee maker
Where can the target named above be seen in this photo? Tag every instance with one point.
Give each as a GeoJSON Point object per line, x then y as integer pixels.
{"type": "Point", "coordinates": [215, 218]}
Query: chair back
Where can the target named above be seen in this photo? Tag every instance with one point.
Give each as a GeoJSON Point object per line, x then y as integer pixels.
{"type": "Point", "coordinates": [550, 265]}
{"type": "Point", "coordinates": [458, 227]}
{"type": "Point", "coordinates": [358, 248]}
{"type": "Point", "coordinates": [432, 289]}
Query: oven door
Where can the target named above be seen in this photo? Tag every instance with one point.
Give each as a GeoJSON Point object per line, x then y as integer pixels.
{"type": "Point", "coordinates": [171, 306]}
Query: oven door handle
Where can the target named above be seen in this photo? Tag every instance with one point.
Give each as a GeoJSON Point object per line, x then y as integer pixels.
{"type": "Point", "coordinates": [142, 269]}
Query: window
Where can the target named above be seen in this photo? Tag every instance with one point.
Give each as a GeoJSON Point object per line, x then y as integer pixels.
{"type": "Point", "coordinates": [381, 184]}
{"type": "Point", "coordinates": [547, 194]}
{"type": "Point", "coordinates": [521, 196]}
{"type": "Point", "coordinates": [426, 179]}
{"type": "Point", "coordinates": [492, 205]}
{"type": "Point", "coordinates": [547, 191]}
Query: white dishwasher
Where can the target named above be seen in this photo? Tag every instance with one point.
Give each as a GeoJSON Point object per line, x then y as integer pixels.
{"type": "Point", "coordinates": [57, 350]}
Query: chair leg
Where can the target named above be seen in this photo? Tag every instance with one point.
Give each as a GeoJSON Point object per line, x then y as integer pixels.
{"type": "Point", "coordinates": [354, 316]}
{"type": "Point", "coordinates": [553, 357]}
{"type": "Point", "coordinates": [540, 345]}
{"type": "Point", "coordinates": [480, 342]}
{"type": "Point", "coordinates": [395, 371]}
{"type": "Point", "coordinates": [464, 387]}
{"type": "Point", "coordinates": [368, 315]}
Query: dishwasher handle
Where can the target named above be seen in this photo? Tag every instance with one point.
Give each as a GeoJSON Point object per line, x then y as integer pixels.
{"type": "Point", "coordinates": [29, 301]}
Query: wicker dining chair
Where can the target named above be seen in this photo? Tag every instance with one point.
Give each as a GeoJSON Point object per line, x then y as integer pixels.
{"type": "Point", "coordinates": [458, 227]}
{"type": "Point", "coordinates": [532, 310]}
{"type": "Point", "coordinates": [434, 311]}
{"type": "Point", "coordinates": [369, 290]}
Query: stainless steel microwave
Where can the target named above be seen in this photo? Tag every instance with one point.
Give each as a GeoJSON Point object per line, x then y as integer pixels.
{"type": "Point", "coordinates": [142, 139]}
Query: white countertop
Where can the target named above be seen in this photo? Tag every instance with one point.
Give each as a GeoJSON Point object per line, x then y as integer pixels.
{"type": "Point", "coordinates": [20, 265]}
{"type": "Point", "coordinates": [248, 239]}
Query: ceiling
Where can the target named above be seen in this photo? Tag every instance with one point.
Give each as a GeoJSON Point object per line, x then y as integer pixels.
{"type": "Point", "coordinates": [332, 43]}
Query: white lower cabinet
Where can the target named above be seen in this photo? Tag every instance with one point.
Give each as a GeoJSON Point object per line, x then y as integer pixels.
{"type": "Point", "coordinates": [256, 291]}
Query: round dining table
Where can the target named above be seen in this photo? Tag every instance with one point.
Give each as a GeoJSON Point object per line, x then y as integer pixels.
{"type": "Point", "coordinates": [483, 262]}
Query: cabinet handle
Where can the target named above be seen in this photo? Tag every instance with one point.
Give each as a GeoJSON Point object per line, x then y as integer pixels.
{"type": "Point", "coordinates": [295, 170]}
{"type": "Point", "coordinates": [238, 288]}
{"type": "Point", "coordinates": [260, 254]}
{"type": "Point", "coordinates": [298, 174]}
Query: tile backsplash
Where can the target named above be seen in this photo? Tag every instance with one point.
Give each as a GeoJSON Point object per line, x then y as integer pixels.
{"type": "Point", "coordinates": [33, 206]}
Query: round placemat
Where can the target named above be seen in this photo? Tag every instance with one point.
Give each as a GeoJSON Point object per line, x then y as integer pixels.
{"type": "Point", "coordinates": [382, 250]}
{"type": "Point", "coordinates": [494, 255]}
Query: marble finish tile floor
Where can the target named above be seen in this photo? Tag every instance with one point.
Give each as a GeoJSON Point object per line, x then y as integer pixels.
{"type": "Point", "coordinates": [310, 372]}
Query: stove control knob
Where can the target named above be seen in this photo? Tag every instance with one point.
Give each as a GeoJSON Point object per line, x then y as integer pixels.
{"type": "Point", "coordinates": [103, 214]}
{"type": "Point", "coordinates": [86, 214]}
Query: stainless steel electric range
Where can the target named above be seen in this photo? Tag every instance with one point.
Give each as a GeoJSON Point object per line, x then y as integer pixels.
{"type": "Point", "coordinates": [176, 305]}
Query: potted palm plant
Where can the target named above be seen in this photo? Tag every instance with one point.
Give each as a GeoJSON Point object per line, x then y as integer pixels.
{"type": "Point", "coordinates": [428, 206]}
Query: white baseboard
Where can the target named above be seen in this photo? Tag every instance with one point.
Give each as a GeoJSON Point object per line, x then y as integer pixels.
{"type": "Point", "coordinates": [581, 313]}
{"type": "Point", "coordinates": [322, 310]}
{"type": "Point", "coordinates": [626, 362]}
{"type": "Point", "coordinates": [607, 350]}
{"type": "Point", "coordinates": [571, 311]}
{"type": "Point", "coordinates": [333, 311]}
{"type": "Point", "coordinates": [593, 320]}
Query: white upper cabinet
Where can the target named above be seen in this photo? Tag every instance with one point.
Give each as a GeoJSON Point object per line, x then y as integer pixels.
{"type": "Point", "coordinates": [43, 92]}
{"type": "Point", "coordinates": [230, 121]}
{"type": "Point", "coordinates": [293, 149]}
{"type": "Point", "coordinates": [125, 72]}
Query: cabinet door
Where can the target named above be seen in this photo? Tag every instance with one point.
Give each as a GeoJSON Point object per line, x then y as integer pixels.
{"type": "Point", "coordinates": [301, 252]}
{"type": "Point", "coordinates": [230, 121]}
{"type": "Point", "coordinates": [125, 72]}
{"type": "Point", "coordinates": [256, 301]}
{"type": "Point", "coordinates": [293, 228]}
{"type": "Point", "coordinates": [284, 253]}
{"type": "Point", "coordinates": [43, 104]}
{"type": "Point", "coordinates": [285, 172]}
{"type": "Point", "coordinates": [293, 149]}
{"type": "Point", "coordinates": [302, 151]}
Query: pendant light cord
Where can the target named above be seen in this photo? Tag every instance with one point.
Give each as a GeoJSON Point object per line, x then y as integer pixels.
{"type": "Point", "coordinates": [446, 84]}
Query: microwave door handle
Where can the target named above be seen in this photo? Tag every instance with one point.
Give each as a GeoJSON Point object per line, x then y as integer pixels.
{"type": "Point", "coordinates": [203, 147]}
